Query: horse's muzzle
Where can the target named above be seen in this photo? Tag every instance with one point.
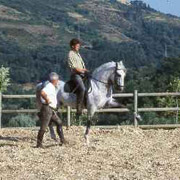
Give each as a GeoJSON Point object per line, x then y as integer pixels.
{"type": "Point", "coordinates": [119, 88]}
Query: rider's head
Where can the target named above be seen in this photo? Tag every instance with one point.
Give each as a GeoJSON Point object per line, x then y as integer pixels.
{"type": "Point", "coordinates": [75, 44]}
{"type": "Point", "coordinates": [54, 78]}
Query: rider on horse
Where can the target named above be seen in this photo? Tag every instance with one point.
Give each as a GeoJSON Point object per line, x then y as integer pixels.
{"type": "Point", "coordinates": [78, 72]}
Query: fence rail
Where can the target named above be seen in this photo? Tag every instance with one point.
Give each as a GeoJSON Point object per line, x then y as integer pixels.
{"type": "Point", "coordinates": [17, 96]}
{"type": "Point", "coordinates": [134, 95]}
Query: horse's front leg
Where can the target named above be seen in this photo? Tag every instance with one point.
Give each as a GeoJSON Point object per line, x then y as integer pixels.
{"type": "Point", "coordinates": [88, 125]}
{"type": "Point", "coordinates": [52, 133]}
{"type": "Point", "coordinates": [91, 112]}
{"type": "Point", "coordinates": [114, 104]}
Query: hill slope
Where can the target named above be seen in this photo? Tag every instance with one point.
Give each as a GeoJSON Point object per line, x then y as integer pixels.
{"type": "Point", "coordinates": [34, 34]}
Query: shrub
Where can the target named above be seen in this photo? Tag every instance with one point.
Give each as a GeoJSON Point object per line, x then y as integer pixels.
{"type": "Point", "coordinates": [21, 120]}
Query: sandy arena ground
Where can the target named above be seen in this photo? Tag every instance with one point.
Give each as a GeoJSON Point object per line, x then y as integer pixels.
{"type": "Point", "coordinates": [126, 154]}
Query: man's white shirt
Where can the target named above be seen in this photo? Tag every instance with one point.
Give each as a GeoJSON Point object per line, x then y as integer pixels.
{"type": "Point", "coordinates": [51, 93]}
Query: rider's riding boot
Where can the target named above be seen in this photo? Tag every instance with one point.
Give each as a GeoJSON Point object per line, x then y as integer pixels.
{"type": "Point", "coordinates": [78, 114]}
{"type": "Point", "coordinates": [79, 109]}
{"type": "Point", "coordinates": [40, 139]}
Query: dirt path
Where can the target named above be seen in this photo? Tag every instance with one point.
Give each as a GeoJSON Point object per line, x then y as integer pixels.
{"type": "Point", "coordinates": [125, 154]}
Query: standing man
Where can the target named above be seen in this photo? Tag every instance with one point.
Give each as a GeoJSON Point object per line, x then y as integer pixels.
{"type": "Point", "coordinates": [48, 109]}
{"type": "Point", "coordinates": [78, 71]}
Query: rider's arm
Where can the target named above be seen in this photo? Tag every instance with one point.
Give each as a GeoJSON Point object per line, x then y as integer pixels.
{"type": "Point", "coordinates": [45, 97]}
{"type": "Point", "coordinates": [78, 70]}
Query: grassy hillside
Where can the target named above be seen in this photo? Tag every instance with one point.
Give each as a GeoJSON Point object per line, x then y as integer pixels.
{"type": "Point", "coordinates": [34, 35]}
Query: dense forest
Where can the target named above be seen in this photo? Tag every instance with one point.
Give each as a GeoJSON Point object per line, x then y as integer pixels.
{"type": "Point", "coordinates": [35, 35]}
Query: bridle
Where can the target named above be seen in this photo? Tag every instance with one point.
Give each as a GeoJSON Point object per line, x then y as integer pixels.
{"type": "Point", "coordinates": [116, 76]}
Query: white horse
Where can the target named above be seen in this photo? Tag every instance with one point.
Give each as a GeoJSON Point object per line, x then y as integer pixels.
{"type": "Point", "coordinates": [102, 81]}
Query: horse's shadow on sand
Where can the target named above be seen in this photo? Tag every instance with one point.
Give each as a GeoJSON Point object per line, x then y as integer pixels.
{"type": "Point", "coordinates": [15, 138]}
{"type": "Point", "coordinates": [20, 139]}
{"type": "Point", "coordinates": [3, 144]}
{"type": "Point", "coordinates": [8, 144]}
{"type": "Point", "coordinates": [48, 146]}
{"type": "Point", "coordinates": [12, 139]}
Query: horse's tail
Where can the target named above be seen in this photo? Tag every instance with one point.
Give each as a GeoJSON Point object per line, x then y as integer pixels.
{"type": "Point", "coordinates": [38, 95]}
{"type": "Point", "coordinates": [39, 87]}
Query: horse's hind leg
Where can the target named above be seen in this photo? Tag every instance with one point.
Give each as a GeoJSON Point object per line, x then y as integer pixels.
{"type": "Point", "coordinates": [52, 133]}
{"type": "Point", "coordinates": [88, 125]}
{"type": "Point", "coordinates": [90, 115]}
{"type": "Point", "coordinates": [114, 104]}
{"type": "Point", "coordinates": [86, 135]}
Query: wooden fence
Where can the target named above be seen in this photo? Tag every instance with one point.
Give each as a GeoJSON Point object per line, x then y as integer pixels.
{"type": "Point", "coordinates": [134, 95]}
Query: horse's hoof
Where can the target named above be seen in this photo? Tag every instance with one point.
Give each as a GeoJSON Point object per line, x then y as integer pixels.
{"type": "Point", "coordinates": [139, 118]}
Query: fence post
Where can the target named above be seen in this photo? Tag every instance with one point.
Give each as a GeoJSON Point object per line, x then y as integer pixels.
{"type": "Point", "coordinates": [135, 108]}
{"type": "Point", "coordinates": [68, 116]}
{"type": "Point", "coordinates": [0, 110]}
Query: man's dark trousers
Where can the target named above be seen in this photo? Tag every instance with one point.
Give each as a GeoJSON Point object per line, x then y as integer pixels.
{"type": "Point", "coordinates": [47, 114]}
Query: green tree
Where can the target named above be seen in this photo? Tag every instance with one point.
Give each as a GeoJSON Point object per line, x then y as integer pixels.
{"type": "Point", "coordinates": [170, 101]}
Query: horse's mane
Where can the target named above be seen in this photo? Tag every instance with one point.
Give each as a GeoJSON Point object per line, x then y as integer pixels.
{"type": "Point", "coordinates": [103, 66]}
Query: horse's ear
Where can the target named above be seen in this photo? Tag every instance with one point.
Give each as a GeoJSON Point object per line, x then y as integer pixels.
{"type": "Point", "coordinates": [121, 63]}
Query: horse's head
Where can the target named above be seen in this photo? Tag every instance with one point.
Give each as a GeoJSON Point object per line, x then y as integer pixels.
{"type": "Point", "coordinates": [118, 76]}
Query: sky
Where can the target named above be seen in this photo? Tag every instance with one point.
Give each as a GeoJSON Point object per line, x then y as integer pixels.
{"type": "Point", "coordinates": [165, 6]}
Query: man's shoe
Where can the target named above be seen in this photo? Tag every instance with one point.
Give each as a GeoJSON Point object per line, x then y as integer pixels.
{"type": "Point", "coordinates": [40, 139]}
{"type": "Point", "coordinates": [39, 146]}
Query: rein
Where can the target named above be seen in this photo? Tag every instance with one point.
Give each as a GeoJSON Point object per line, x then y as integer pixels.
{"type": "Point", "coordinates": [90, 77]}
{"type": "Point", "coordinates": [106, 83]}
